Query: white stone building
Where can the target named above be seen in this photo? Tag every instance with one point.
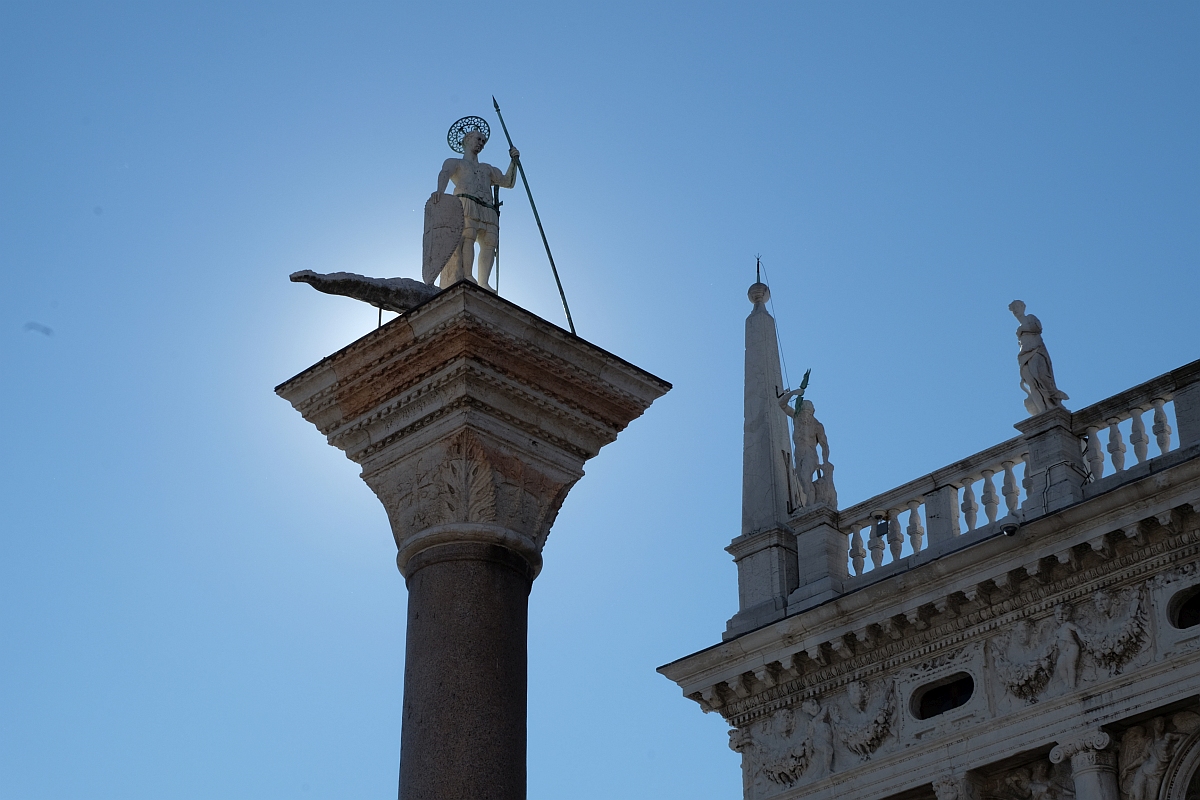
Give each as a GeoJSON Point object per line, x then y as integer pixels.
{"type": "Point", "coordinates": [1023, 624]}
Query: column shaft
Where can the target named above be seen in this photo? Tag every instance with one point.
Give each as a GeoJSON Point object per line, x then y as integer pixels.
{"type": "Point", "coordinates": [1095, 773]}
{"type": "Point", "coordinates": [465, 674]}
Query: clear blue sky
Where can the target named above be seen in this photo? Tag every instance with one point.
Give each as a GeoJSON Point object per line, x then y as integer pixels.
{"type": "Point", "coordinates": [198, 596]}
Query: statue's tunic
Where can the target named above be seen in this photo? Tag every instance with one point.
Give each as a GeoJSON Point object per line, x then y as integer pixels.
{"type": "Point", "coordinates": [473, 187]}
{"type": "Point", "coordinates": [478, 216]}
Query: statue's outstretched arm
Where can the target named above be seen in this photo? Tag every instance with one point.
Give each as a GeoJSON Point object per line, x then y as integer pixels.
{"type": "Point", "coordinates": [783, 403]}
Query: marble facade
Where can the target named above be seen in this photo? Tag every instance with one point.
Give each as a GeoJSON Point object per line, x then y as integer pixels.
{"type": "Point", "coordinates": [1018, 625]}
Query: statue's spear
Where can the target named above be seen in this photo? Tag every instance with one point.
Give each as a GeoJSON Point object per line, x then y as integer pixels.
{"type": "Point", "coordinates": [536, 218]}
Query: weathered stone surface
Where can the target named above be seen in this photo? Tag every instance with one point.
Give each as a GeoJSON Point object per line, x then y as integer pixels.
{"type": "Point", "coordinates": [390, 294]}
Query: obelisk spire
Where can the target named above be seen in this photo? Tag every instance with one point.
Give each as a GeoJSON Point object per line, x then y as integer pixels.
{"type": "Point", "coordinates": [766, 449]}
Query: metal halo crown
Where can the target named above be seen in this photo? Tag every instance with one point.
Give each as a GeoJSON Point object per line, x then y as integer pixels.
{"type": "Point", "coordinates": [454, 137]}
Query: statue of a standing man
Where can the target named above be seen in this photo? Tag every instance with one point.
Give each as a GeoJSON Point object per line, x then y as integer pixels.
{"type": "Point", "coordinates": [807, 435]}
{"type": "Point", "coordinates": [473, 182]}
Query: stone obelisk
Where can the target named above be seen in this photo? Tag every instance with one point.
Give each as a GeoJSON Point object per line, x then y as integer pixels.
{"type": "Point", "coordinates": [471, 419]}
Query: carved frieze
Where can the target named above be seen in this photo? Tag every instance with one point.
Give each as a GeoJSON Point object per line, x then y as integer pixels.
{"type": "Point", "coordinates": [1095, 619]}
{"type": "Point", "coordinates": [1073, 644]}
{"type": "Point", "coordinates": [828, 734]}
{"type": "Point", "coordinates": [867, 721]}
{"type": "Point", "coordinates": [1167, 589]}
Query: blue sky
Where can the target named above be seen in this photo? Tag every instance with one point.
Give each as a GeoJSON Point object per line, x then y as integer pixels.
{"type": "Point", "coordinates": [198, 597]}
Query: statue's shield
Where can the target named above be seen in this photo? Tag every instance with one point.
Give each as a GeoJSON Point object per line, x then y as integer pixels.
{"type": "Point", "coordinates": [443, 231]}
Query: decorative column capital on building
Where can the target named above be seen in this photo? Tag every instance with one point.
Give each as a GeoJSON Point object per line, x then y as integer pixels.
{"type": "Point", "coordinates": [1093, 764]}
{"type": "Point", "coordinates": [1091, 747]}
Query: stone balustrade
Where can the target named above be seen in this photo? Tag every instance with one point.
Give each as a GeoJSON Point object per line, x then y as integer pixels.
{"type": "Point", "coordinates": [937, 508]}
{"type": "Point", "coordinates": [1102, 429]}
{"type": "Point", "coordinates": [974, 498]}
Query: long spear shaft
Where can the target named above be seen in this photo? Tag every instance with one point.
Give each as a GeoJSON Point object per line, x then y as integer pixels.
{"type": "Point", "coordinates": [538, 219]}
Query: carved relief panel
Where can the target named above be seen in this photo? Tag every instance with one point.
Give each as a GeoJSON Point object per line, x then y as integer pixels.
{"type": "Point", "coordinates": [1073, 645]}
{"type": "Point", "coordinates": [1147, 751]}
{"type": "Point", "coordinates": [827, 734]}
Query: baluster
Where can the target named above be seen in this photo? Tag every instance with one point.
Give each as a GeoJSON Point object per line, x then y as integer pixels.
{"type": "Point", "coordinates": [1012, 495]}
{"type": "Point", "coordinates": [895, 537]}
{"type": "Point", "coordinates": [1162, 428]}
{"type": "Point", "coordinates": [916, 532]}
{"type": "Point", "coordinates": [1026, 478]}
{"type": "Point", "coordinates": [1138, 437]}
{"type": "Point", "coordinates": [858, 553]}
{"type": "Point", "coordinates": [1116, 445]}
{"type": "Point", "coordinates": [876, 546]}
{"type": "Point", "coordinates": [990, 501]}
{"type": "Point", "coordinates": [969, 507]}
{"type": "Point", "coordinates": [1095, 455]}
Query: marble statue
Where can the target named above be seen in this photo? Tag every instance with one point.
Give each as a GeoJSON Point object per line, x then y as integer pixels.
{"type": "Point", "coordinates": [452, 229]}
{"type": "Point", "coordinates": [473, 181]}
{"type": "Point", "coordinates": [1037, 373]}
{"type": "Point", "coordinates": [807, 435]}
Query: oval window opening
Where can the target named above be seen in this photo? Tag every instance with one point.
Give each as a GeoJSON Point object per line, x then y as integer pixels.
{"type": "Point", "coordinates": [941, 696]}
{"type": "Point", "coordinates": [1186, 608]}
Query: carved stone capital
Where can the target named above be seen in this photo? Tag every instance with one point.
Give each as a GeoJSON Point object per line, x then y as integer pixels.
{"type": "Point", "coordinates": [471, 418]}
{"type": "Point", "coordinates": [1087, 752]}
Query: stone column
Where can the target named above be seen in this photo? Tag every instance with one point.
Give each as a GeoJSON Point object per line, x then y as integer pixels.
{"type": "Point", "coordinates": [1093, 765]}
{"type": "Point", "coordinates": [471, 419]}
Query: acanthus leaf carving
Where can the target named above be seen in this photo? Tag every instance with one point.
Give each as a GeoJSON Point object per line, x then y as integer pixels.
{"type": "Point", "coordinates": [469, 490]}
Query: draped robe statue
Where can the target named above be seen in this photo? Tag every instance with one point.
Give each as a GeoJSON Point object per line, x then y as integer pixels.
{"type": "Point", "coordinates": [1037, 373]}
